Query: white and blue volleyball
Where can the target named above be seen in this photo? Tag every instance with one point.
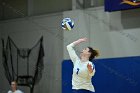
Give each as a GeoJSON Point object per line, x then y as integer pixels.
{"type": "Point", "coordinates": [67, 24]}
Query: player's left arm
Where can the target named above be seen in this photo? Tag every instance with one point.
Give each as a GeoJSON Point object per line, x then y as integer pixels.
{"type": "Point", "coordinates": [91, 69]}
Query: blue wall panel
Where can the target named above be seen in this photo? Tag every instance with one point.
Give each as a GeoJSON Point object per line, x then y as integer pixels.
{"type": "Point", "coordinates": [113, 75]}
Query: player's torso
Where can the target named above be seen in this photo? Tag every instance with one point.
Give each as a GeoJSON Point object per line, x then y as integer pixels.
{"type": "Point", "coordinates": [17, 91]}
{"type": "Point", "coordinates": [80, 70]}
{"type": "Point", "coordinates": [81, 78]}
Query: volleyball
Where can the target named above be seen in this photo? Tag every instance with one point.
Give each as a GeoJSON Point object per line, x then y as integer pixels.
{"type": "Point", "coordinates": [67, 24]}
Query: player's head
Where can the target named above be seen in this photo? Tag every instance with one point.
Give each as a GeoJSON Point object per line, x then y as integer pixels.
{"type": "Point", "coordinates": [90, 53]}
{"type": "Point", "coordinates": [14, 85]}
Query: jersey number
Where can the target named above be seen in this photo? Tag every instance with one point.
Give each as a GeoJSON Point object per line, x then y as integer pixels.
{"type": "Point", "coordinates": [77, 71]}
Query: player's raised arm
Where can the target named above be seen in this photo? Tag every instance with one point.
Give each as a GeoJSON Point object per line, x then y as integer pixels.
{"type": "Point", "coordinates": [71, 51]}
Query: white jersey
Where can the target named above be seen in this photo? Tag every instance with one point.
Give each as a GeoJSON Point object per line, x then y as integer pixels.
{"type": "Point", "coordinates": [17, 91]}
{"type": "Point", "coordinates": [81, 78]}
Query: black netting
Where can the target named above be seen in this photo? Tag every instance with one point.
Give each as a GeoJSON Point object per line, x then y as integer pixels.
{"type": "Point", "coordinates": [23, 64]}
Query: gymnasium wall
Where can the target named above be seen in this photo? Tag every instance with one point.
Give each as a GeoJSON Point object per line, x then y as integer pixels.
{"type": "Point", "coordinates": [25, 33]}
{"type": "Point", "coordinates": [113, 75]}
{"type": "Point", "coordinates": [108, 32]}
{"type": "Point", "coordinates": [116, 36]}
{"type": "Point", "coordinates": [2, 77]}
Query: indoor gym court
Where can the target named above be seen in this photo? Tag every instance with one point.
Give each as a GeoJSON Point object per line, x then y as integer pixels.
{"type": "Point", "coordinates": [33, 45]}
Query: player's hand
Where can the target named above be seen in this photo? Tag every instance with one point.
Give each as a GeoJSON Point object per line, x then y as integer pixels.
{"type": "Point", "coordinates": [83, 39]}
{"type": "Point", "coordinates": [80, 41]}
{"type": "Point", "coordinates": [89, 66]}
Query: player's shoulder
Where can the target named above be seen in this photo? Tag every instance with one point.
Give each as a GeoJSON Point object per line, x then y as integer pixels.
{"type": "Point", "coordinates": [19, 91]}
{"type": "Point", "coordinates": [91, 63]}
{"type": "Point", "coordinates": [9, 91]}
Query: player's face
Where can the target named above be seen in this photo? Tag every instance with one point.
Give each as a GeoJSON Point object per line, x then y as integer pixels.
{"type": "Point", "coordinates": [13, 85]}
{"type": "Point", "coordinates": [85, 51]}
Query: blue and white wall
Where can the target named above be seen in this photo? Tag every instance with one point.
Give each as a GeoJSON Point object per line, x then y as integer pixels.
{"type": "Point", "coordinates": [105, 31]}
{"type": "Point", "coordinates": [117, 67]}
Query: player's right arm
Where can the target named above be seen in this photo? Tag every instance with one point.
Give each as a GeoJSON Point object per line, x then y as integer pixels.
{"type": "Point", "coordinates": [71, 51]}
